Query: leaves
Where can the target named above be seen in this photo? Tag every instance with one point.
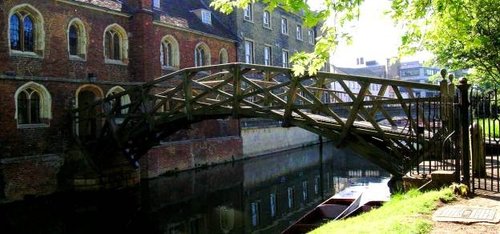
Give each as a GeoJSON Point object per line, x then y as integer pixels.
{"type": "Point", "coordinates": [462, 34]}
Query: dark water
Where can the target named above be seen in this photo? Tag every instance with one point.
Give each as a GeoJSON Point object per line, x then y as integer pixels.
{"type": "Point", "coordinates": [262, 195]}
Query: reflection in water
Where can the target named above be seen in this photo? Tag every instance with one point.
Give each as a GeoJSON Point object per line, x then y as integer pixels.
{"type": "Point", "coordinates": [261, 195]}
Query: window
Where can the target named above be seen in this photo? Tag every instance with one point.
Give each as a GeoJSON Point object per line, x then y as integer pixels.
{"type": "Point", "coordinates": [156, 3]}
{"type": "Point", "coordinates": [284, 26]}
{"type": "Point", "coordinates": [248, 52]}
{"type": "Point", "coordinates": [254, 208]}
{"type": "Point", "coordinates": [248, 13]}
{"type": "Point", "coordinates": [77, 40]}
{"type": "Point", "coordinates": [169, 53]}
{"type": "Point", "coordinates": [430, 72]}
{"type": "Point", "coordinates": [299, 32]}
{"type": "Point", "coordinates": [266, 19]}
{"type": "Point", "coordinates": [223, 56]}
{"type": "Point", "coordinates": [267, 56]}
{"type": "Point", "coordinates": [115, 44]}
{"type": "Point", "coordinates": [305, 193]}
{"type": "Point", "coordinates": [25, 30]}
{"type": "Point", "coordinates": [290, 197]}
{"type": "Point", "coordinates": [311, 37]}
{"type": "Point", "coordinates": [284, 56]}
{"type": "Point", "coordinates": [316, 185]}
{"type": "Point", "coordinates": [33, 104]}
{"type": "Point", "coordinates": [124, 100]}
{"type": "Point", "coordinates": [272, 204]}
{"type": "Point", "coordinates": [206, 17]}
{"type": "Point", "coordinates": [201, 55]}
{"type": "Point", "coordinates": [410, 72]}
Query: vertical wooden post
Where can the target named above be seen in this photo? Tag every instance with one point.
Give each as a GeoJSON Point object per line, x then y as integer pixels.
{"type": "Point", "coordinates": [292, 94]}
{"type": "Point", "coordinates": [188, 95]}
{"type": "Point", "coordinates": [464, 123]}
{"type": "Point", "coordinates": [237, 90]}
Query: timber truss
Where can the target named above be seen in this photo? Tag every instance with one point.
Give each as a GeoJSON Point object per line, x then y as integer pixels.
{"type": "Point", "coordinates": [340, 107]}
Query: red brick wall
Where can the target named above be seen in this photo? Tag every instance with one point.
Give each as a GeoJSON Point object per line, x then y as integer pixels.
{"type": "Point", "coordinates": [187, 43]}
{"type": "Point", "coordinates": [144, 44]}
{"type": "Point", "coordinates": [62, 77]}
{"type": "Point", "coordinates": [183, 155]}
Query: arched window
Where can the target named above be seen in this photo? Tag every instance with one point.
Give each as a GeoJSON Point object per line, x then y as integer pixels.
{"type": "Point", "coordinates": [77, 39]}
{"type": "Point", "coordinates": [223, 57]}
{"type": "Point", "coordinates": [124, 100]}
{"type": "Point", "coordinates": [201, 55]}
{"type": "Point", "coordinates": [25, 30]}
{"type": "Point", "coordinates": [33, 104]}
{"type": "Point", "coordinates": [169, 52]}
{"type": "Point", "coordinates": [115, 44]}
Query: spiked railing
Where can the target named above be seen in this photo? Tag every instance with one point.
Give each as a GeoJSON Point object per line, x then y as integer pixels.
{"type": "Point", "coordinates": [386, 117]}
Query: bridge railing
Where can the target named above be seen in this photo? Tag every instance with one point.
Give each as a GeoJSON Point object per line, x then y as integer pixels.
{"type": "Point", "coordinates": [403, 116]}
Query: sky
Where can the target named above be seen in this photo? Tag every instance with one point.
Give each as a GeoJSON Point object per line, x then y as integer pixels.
{"type": "Point", "coordinates": [374, 36]}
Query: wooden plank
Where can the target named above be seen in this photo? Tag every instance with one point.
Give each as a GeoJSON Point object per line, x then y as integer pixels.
{"type": "Point", "coordinates": [354, 110]}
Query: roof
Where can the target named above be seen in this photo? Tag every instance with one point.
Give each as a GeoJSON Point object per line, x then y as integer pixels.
{"type": "Point", "coordinates": [184, 9]}
{"type": "Point", "coordinates": [362, 71]}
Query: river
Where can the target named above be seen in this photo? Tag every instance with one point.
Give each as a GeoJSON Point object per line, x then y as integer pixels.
{"type": "Point", "coordinates": [259, 195]}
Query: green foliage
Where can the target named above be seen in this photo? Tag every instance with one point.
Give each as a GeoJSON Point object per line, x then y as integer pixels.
{"type": "Point", "coordinates": [490, 126]}
{"type": "Point", "coordinates": [460, 189]}
{"type": "Point", "coordinates": [462, 34]}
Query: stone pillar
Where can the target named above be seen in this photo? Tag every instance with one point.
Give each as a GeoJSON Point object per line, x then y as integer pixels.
{"type": "Point", "coordinates": [144, 47]}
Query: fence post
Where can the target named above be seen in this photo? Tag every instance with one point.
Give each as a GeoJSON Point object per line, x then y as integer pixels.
{"type": "Point", "coordinates": [464, 123]}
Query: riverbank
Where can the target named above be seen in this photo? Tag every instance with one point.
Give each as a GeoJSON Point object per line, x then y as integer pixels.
{"type": "Point", "coordinates": [404, 213]}
{"type": "Point", "coordinates": [412, 213]}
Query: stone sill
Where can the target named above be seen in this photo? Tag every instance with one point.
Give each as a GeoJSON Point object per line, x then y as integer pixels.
{"type": "Point", "coordinates": [17, 53]}
{"type": "Point", "coordinates": [25, 126]}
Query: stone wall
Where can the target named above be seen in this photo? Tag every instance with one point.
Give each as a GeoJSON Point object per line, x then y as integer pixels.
{"type": "Point", "coordinates": [33, 175]}
{"type": "Point", "coordinates": [257, 141]}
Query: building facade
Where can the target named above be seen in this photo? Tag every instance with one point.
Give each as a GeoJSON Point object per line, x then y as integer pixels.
{"type": "Point", "coordinates": [268, 37]}
{"type": "Point", "coordinates": [415, 71]}
{"type": "Point", "coordinates": [58, 55]}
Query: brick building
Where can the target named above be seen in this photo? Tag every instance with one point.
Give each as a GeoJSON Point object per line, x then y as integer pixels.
{"type": "Point", "coordinates": [267, 37]}
{"type": "Point", "coordinates": [57, 55]}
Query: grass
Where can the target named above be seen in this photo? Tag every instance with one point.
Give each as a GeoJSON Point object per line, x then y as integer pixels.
{"type": "Point", "coordinates": [490, 126]}
{"type": "Point", "coordinates": [404, 213]}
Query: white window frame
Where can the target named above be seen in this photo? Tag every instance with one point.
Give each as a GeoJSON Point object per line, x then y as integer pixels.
{"type": "Point", "coordinates": [206, 17]}
{"type": "Point", "coordinates": [268, 55]}
{"type": "Point", "coordinates": [156, 3]}
{"type": "Point", "coordinates": [249, 51]}
{"type": "Point", "coordinates": [248, 13]}
{"type": "Point", "coordinates": [285, 58]}
{"type": "Point", "coordinates": [311, 38]}
{"type": "Point", "coordinates": [298, 32]}
{"type": "Point", "coordinates": [266, 16]}
{"type": "Point", "coordinates": [284, 26]}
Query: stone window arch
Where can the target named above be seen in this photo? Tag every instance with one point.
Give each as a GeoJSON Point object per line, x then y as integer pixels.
{"type": "Point", "coordinates": [115, 44]}
{"type": "Point", "coordinates": [169, 52]}
{"type": "Point", "coordinates": [124, 100]}
{"type": "Point", "coordinates": [26, 33]}
{"type": "Point", "coordinates": [201, 55]}
{"type": "Point", "coordinates": [88, 125]}
{"type": "Point", "coordinates": [223, 56]}
{"type": "Point", "coordinates": [33, 104]}
{"type": "Point", "coordinates": [77, 39]}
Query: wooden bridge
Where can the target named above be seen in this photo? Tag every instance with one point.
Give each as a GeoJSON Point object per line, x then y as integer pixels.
{"type": "Point", "coordinates": [345, 109]}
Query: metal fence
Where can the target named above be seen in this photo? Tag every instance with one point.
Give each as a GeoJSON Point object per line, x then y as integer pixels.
{"type": "Point", "coordinates": [485, 139]}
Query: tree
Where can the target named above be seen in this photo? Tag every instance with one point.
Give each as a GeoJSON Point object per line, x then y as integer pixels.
{"type": "Point", "coordinates": [462, 34]}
